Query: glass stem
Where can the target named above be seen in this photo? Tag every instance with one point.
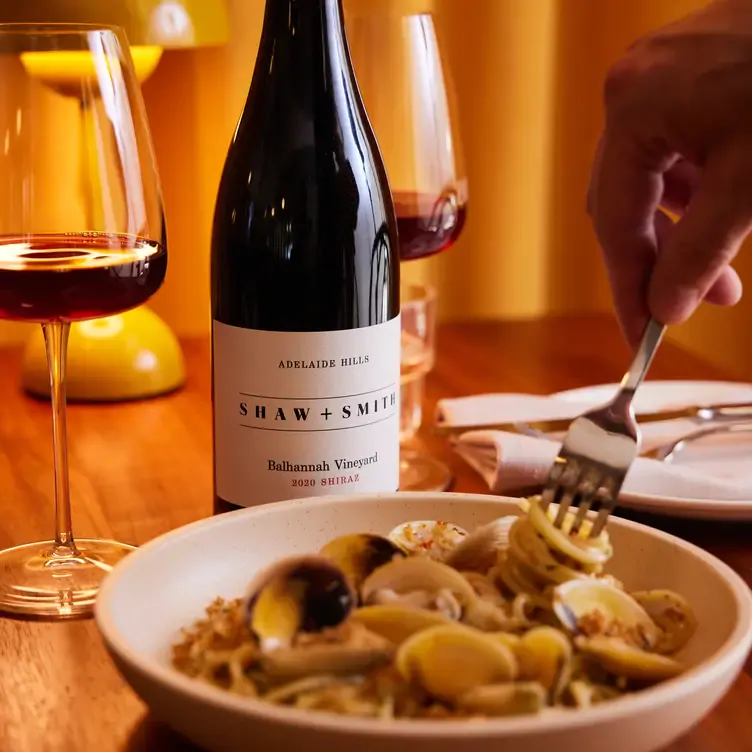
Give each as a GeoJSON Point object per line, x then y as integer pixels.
{"type": "Point", "coordinates": [56, 340]}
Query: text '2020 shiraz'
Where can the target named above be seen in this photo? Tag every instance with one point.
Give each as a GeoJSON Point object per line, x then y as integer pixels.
{"type": "Point", "coordinates": [305, 278]}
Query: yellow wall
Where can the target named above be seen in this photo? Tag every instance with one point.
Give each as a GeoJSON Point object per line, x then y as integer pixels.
{"type": "Point", "coordinates": [194, 99]}
{"type": "Point", "coordinates": [528, 76]}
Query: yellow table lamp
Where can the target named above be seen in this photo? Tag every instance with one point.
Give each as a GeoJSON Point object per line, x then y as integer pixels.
{"type": "Point", "coordinates": [133, 355]}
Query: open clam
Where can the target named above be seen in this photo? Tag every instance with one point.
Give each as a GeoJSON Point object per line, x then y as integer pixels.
{"type": "Point", "coordinates": [545, 655]}
{"type": "Point", "coordinates": [621, 659]}
{"type": "Point", "coordinates": [479, 551]}
{"type": "Point", "coordinates": [415, 574]}
{"type": "Point", "coordinates": [360, 554]}
{"type": "Point", "coordinates": [433, 538]}
{"type": "Point", "coordinates": [672, 614]}
{"type": "Point", "coordinates": [297, 594]}
{"type": "Point", "coordinates": [397, 623]}
{"type": "Point", "coordinates": [449, 661]}
{"type": "Point", "coordinates": [507, 639]}
{"type": "Point", "coordinates": [590, 607]}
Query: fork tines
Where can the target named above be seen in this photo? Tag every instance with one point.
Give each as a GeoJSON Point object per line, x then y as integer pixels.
{"type": "Point", "coordinates": [588, 485]}
{"type": "Point", "coordinates": [600, 446]}
{"type": "Point", "coordinates": [595, 456]}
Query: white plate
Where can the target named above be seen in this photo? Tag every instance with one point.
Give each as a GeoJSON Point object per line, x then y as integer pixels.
{"type": "Point", "coordinates": [723, 454]}
{"type": "Point", "coordinates": [166, 585]}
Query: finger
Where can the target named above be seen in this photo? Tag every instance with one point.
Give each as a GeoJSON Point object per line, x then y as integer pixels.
{"type": "Point", "coordinates": [703, 243]}
{"type": "Point", "coordinates": [727, 289]}
{"type": "Point", "coordinates": [664, 226]}
{"type": "Point", "coordinates": [626, 189]}
{"type": "Point", "coordinates": [679, 184]}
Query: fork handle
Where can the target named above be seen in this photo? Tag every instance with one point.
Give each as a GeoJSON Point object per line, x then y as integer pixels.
{"type": "Point", "coordinates": [647, 348]}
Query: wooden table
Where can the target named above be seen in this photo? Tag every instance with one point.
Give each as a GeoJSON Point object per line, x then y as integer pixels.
{"type": "Point", "coordinates": [141, 469]}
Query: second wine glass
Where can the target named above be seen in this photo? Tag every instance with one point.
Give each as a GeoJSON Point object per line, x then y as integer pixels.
{"type": "Point", "coordinates": [410, 101]}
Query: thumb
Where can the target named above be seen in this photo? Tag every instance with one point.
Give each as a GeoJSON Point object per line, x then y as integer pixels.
{"type": "Point", "coordinates": [698, 249]}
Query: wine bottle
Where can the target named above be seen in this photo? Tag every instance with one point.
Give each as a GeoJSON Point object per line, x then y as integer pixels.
{"type": "Point", "coordinates": [305, 278]}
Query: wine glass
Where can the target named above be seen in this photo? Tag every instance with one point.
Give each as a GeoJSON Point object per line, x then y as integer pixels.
{"type": "Point", "coordinates": [82, 236]}
{"type": "Point", "coordinates": [410, 102]}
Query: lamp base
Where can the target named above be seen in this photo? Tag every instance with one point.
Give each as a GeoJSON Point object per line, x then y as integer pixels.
{"type": "Point", "coordinates": [130, 356]}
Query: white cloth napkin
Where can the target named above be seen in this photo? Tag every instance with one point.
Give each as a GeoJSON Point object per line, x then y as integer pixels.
{"type": "Point", "coordinates": [509, 461]}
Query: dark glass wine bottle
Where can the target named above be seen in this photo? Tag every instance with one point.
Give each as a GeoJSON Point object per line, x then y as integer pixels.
{"type": "Point", "coordinates": [305, 278]}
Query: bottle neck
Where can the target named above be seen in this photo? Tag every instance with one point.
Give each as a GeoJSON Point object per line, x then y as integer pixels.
{"type": "Point", "coordinates": [302, 24]}
{"type": "Point", "coordinates": [304, 71]}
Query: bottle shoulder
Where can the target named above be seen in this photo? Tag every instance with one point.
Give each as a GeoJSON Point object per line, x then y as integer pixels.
{"type": "Point", "coordinates": [286, 170]}
{"type": "Point", "coordinates": [304, 235]}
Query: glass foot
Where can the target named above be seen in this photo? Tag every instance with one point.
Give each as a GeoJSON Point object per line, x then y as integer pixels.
{"type": "Point", "coordinates": [421, 472]}
{"type": "Point", "coordinates": [38, 581]}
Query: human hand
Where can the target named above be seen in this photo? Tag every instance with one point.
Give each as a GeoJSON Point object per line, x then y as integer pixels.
{"type": "Point", "coordinates": [678, 135]}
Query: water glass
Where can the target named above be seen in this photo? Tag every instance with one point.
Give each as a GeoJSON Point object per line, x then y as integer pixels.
{"type": "Point", "coordinates": [418, 470]}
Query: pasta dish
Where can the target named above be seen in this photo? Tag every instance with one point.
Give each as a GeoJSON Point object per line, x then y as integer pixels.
{"type": "Point", "coordinates": [435, 622]}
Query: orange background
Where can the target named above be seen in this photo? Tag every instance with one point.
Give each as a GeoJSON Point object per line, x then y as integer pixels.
{"type": "Point", "coordinates": [528, 76]}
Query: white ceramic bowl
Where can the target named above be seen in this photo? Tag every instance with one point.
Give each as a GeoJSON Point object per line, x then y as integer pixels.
{"type": "Point", "coordinates": [167, 584]}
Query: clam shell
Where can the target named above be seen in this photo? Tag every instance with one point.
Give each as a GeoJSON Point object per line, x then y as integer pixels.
{"type": "Point", "coordinates": [360, 554]}
{"type": "Point", "coordinates": [417, 573]}
{"type": "Point", "coordinates": [297, 594]}
{"type": "Point", "coordinates": [672, 614]}
{"type": "Point", "coordinates": [449, 661]}
{"type": "Point", "coordinates": [507, 639]}
{"type": "Point", "coordinates": [519, 698]}
{"type": "Point", "coordinates": [413, 599]}
{"type": "Point", "coordinates": [479, 551]}
{"type": "Point", "coordinates": [591, 607]}
{"type": "Point", "coordinates": [397, 623]}
{"type": "Point", "coordinates": [291, 664]}
{"type": "Point", "coordinates": [622, 659]}
{"type": "Point", "coordinates": [545, 655]}
{"type": "Point", "coordinates": [433, 538]}
{"type": "Point", "coordinates": [443, 601]}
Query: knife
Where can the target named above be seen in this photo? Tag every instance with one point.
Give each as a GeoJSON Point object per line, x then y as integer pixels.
{"type": "Point", "coordinates": [731, 411]}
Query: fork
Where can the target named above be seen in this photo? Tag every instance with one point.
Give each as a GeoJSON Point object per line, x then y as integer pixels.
{"type": "Point", "coordinates": [600, 446]}
{"type": "Point", "coordinates": [668, 452]}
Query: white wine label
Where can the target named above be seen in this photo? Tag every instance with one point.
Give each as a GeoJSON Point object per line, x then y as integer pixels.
{"type": "Point", "coordinates": [305, 413]}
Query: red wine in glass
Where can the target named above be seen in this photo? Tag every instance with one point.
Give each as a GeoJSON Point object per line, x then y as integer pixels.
{"type": "Point", "coordinates": [75, 277]}
{"type": "Point", "coordinates": [427, 224]}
